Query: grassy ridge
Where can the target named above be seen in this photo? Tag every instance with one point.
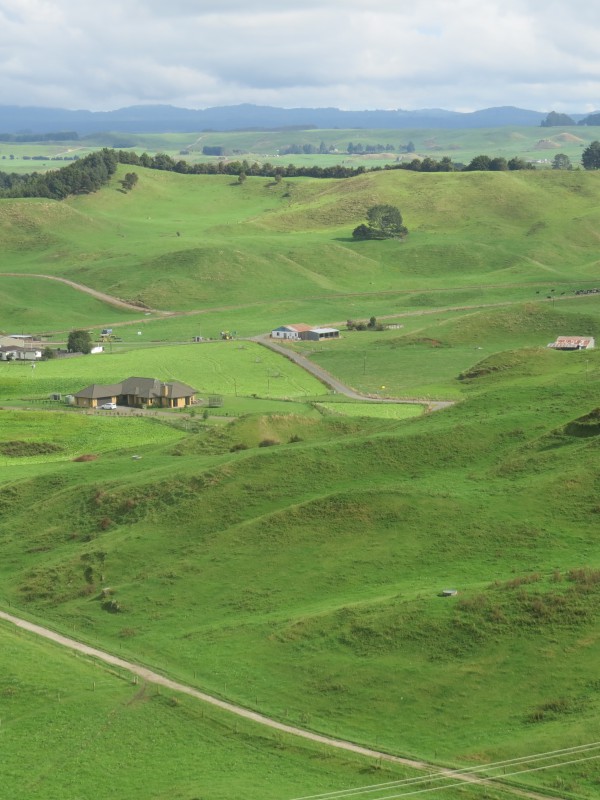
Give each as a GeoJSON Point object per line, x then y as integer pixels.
{"type": "Point", "coordinates": [234, 569]}
{"type": "Point", "coordinates": [181, 242]}
{"type": "Point", "coordinates": [182, 749]}
{"type": "Point", "coordinates": [303, 578]}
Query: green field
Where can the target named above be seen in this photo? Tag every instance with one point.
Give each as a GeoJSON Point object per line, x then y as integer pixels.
{"type": "Point", "coordinates": [288, 552]}
{"type": "Point", "coordinates": [243, 368]}
{"type": "Point", "coordinates": [532, 143]}
{"type": "Point", "coordinates": [251, 257]}
{"type": "Point", "coordinates": [78, 716]}
{"type": "Point", "coordinates": [381, 411]}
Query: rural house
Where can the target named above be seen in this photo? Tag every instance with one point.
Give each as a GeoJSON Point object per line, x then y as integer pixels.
{"type": "Point", "coordinates": [20, 348]}
{"type": "Point", "coordinates": [304, 332]}
{"type": "Point", "coordinates": [289, 331]}
{"type": "Point", "coordinates": [137, 392]}
{"type": "Point", "coordinates": [573, 343]}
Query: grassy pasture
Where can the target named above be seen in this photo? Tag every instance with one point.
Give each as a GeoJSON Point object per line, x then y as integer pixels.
{"type": "Point", "coordinates": [231, 368]}
{"type": "Point", "coordinates": [259, 245]}
{"type": "Point", "coordinates": [426, 361]}
{"type": "Point", "coordinates": [303, 578]}
{"type": "Point", "coordinates": [77, 717]}
{"type": "Point", "coordinates": [33, 304]}
{"type": "Point", "coordinates": [379, 410]}
{"type": "Point", "coordinates": [528, 142]}
{"type": "Point", "coordinates": [58, 436]}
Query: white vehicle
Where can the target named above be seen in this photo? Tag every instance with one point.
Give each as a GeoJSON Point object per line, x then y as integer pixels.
{"type": "Point", "coordinates": [109, 406]}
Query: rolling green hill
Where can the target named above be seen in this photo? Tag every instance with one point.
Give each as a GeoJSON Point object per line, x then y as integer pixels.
{"type": "Point", "coordinates": [180, 242]}
{"type": "Point", "coordinates": [181, 750]}
{"type": "Point", "coordinates": [303, 579]}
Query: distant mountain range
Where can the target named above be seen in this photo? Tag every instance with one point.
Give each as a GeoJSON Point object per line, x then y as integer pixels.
{"type": "Point", "coordinates": [170, 119]}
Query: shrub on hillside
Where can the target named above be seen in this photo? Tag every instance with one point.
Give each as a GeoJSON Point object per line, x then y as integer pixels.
{"type": "Point", "coordinates": [18, 448]}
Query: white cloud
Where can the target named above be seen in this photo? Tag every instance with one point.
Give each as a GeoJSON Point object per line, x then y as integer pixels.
{"type": "Point", "coordinates": [461, 54]}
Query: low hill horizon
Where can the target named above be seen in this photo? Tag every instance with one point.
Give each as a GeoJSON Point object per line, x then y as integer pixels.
{"type": "Point", "coordinates": [246, 116]}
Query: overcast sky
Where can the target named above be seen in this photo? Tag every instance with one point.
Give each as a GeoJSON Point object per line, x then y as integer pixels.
{"type": "Point", "coordinates": [455, 54]}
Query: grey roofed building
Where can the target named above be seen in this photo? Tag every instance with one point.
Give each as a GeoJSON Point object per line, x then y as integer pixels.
{"type": "Point", "coordinates": [302, 331]}
{"type": "Point", "coordinates": [137, 392]}
{"type": "Point", "coordinates": [318, 334]}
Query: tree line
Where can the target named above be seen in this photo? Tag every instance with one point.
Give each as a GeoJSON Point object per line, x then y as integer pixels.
{"type": "Point", "coordinates": [90, 173]}
{"type": "Point", "coordinates": [83, 176]}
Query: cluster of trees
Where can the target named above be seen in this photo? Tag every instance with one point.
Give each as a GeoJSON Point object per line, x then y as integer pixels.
{"type": "Point", "coordinates": [353, 148]}
{"type": "Point", "coordinates": [590, 158]}
{"type": "Point", "coordinates": [47, 158]}
{"type": "Point", "coordinates": [500, 164]}
{"type": "Point", "coordinates": [371, 325]}
{"type": "Point", "coordinates": [554, 119]}
{"type": "Point", "coordinates": [129, 181]}
{"type": "Point", "coordinates": [79, 341]}
{"type": "Point", "coordinates": [307, 149]}
{"type": "Point", "coordinates": [163, 161]}
{"type": "Point", "coordinates": [383, 222]}
{"type": "Point", "coordinates": [371, 148]}
{"type": "Point", "coordinates": [81, 177]}
{"type": "Point", "coordinates": [561, 161]}
{"type": "Point", "coordinates": [478, 164]}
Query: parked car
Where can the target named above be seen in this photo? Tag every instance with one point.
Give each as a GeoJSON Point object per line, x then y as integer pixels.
{"type": "Point", "coordinates": [108, 406]}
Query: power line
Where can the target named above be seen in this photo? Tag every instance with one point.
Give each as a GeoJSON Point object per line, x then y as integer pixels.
{"type": "Point", "coordinates": [486, 779]}
{"type": "Point", "coordinates": [465, 771]}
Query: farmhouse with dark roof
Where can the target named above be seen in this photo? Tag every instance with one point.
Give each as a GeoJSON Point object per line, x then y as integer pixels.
{"type": "Point", "coordinates": [137, 392]}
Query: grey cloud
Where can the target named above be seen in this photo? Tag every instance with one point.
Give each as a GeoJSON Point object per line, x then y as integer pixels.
{"type": "Point", "coordinates": [459, 54]}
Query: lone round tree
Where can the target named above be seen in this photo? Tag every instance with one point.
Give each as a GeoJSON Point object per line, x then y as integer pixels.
{"type": "Point", "coordinates": [385, 222]}
{"type": "Point", "coordinates": [590, 158]}
{"type": "Point", "coordinates": [79, 341]}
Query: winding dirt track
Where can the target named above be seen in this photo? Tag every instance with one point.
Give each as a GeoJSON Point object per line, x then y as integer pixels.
{"type": "Point", "coordinates": [329, 380]}
{"type": "Point", "coordinates": [105, 298]}
{"type": "Point", "coordinates": [156, 678]}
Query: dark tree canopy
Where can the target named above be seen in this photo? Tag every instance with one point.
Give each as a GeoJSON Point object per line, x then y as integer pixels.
{"type": "Point", "coordinates": [590, 158]}
{"type": "Point", "coordinates": [561, 161]}
{"type": "Point", "coordinates": [79, 341]}
{"type": "Point", "coordinates": [81, 177]}
{"type": "Point", "coordinates": [385, 222]}
{"type": "Point", "coordinates": [479, 163]}
{"type": "Point", "coordinates": [498, 164]}
{"type": "Point", "coordinates": [554, 118]}
{"type": "Point", "coordinates": [129, 181]}
{"type": "Point", "coordinates": [592, 119]}
{"type": "Point", "coordinates": [519, 163]}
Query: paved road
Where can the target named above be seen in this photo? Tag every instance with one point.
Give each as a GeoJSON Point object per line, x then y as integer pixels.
{"type": "Point", "coordinates": [161, 680]}
{"type": "Point", "coordinates": [329, 380]}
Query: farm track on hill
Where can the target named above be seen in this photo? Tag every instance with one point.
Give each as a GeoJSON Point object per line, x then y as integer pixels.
{"type": "Point", "coordinates": [156, 678]}
{"type": "Point", "coordinates": [329, 380]}
{"type": "Point", "coordinates": [119, 303]}
{"type": "Point", "coordinates": [80, 287]}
